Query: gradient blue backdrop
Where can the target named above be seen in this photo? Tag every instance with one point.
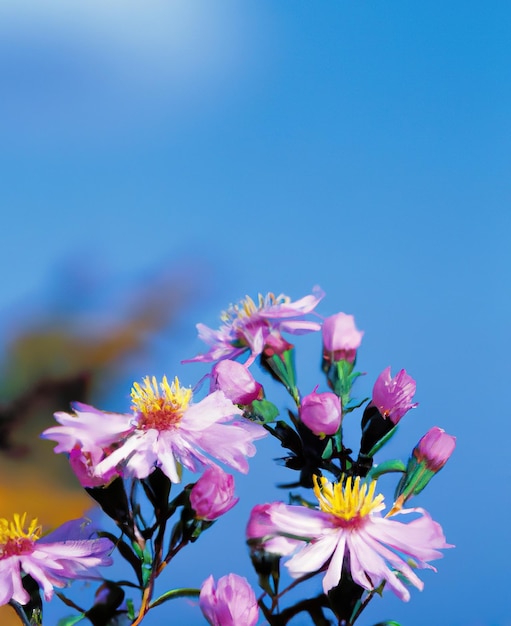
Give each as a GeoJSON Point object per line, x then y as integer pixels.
{"type": "Point", "coordinates": [362, 146]}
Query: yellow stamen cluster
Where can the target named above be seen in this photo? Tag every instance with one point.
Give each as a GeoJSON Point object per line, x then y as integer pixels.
{"type": "Point", "coordinates": [161, 406]}
{"type": "Point", "coordinates": [14, 539]}
{"type": "Point", "coordinates": [348, 501]}
{"type": "Point", "coordinates": [247, 307]}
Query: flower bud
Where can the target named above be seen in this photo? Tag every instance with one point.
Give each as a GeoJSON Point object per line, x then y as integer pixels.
{"type": "Point", "coordinates": [392, 396]}
{"type": "Point", "coordinates": [84, 466]}
{"type": "Point", "coordinates": [235, 380]}
{"type": "Point", "coordinates": [213, 494]}
{"type": "Point", "coordinates": [341, 339]}
{"type": "Point", "coordinates": [321, 413]}
{"type": "Point", "coordinates": [435, 448]}
{"type": "Point", "coordinates": [231, 603]}
{"type": "Point", "coordinates": [262, 532]}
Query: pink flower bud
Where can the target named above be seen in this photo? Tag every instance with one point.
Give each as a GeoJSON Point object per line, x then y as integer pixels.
{"type": "Point", "coordinates": [321, 412]}
{"type": "Point", "coordinates": [235, 380]}
{"type": "Point", "coordinates": [392, 396]}
{"type": "Point", "coordinates": [231, 603]}
{"type": "Point", "coordinates": [341, 339]}
{"type": "Point", "coordinates": [435, 448]}
{"type": "Point", "coordinates": [213, 494]}
{"type": "Point", "coordinates": [84, 466]}
{"type": "Point", "coordinates": [262, 532]}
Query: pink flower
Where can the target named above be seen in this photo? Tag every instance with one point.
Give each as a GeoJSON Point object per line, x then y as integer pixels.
{"type": "Point", "coordinates": [341, 339]}
{"type": "Point", "coordinates": [87, 437]}
{"type": "Point", "coordinates": [231, 603]}
{"type": "Point", "coordinates": [235, 380]}
{"type": "Point", "coordinates": [321, 412]}
{"type": "Point", "coordinates": [213, 494]}
{"type": "Point", "coordinates": [250, 326]}
{"type": "Point", "coordinates": [348, 532]}
{"type": "Point", "coordinates": [170, 430]}
{"type": "Point", "coordinates": [392, 396]}
{"type": "Point", "coordinates": [435, 448]}
{"type": "Point", "coordinates": [51, 560]}
{"type": "Point", "coordinates": [88, 428]}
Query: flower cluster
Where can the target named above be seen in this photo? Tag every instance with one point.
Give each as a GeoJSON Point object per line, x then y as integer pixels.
{"type": "Point", "coordinates": [159, 470]}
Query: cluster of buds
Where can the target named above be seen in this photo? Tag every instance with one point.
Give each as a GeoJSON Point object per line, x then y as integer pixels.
{"type": "Point", "coordinates": [168, 454]}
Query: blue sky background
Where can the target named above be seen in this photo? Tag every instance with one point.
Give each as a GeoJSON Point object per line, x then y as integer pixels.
{"type": "Point", "coordinates": [271, 146]}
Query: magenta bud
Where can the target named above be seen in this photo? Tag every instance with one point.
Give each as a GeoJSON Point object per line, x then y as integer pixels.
{"type": "Point", "coordinates": [321, 413]}
{"type": "Point", "coordinates": [435, 448]}
{"type": "Point", "coordinates": [392, 396]}
{"type": "Point", "coordinates": [236, 381]}
{"type": "Point", "coordinates": [231, 602]}
{"type": "Point", "coordinates": [213, 494]}
{"type": "Point", "coordinates": [341, 339]}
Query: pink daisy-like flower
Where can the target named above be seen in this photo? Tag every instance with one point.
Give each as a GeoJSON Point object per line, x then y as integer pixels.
{"type": "Point", "coordinates": [348, 532]}
{"type": "Point", "coordinates": [171, 430]}
{"type": "Point", "coordinates": [87, 436]}
{"type": "Point", "coordinates": [231, 602]}
{"type": "Point", "coordinates": [251, 326]}
{"type": "Point", "coordinates": [51, 561]}
{"type": "Point", "coordinates": [392, 396]}
{"type": "Point", "coordinates": [88, 428]}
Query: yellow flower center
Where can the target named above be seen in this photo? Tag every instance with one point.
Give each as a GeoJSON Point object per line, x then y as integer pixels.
{"type": "Point", "coordinates": [161, 406]}
{"type": "Point", "coordinates": [14, 540]}
{"type": "Point", "coordinates": [350, 502]}
{"type": "Point", "coordinates": [247, 307]}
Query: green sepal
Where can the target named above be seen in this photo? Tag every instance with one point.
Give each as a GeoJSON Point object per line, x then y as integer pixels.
{"type": "Point", "coordinates": [415, 480]}
{"type": "Point", "coordinates": [388, 622]}
{"type": "Point", "coordinates": [183, 592]}
{"type": "Point", "coordinates": [282, 368]}
{"type": "Point", "coordinates": [130, 609]}
{"type": "Point", "coordinates": [328, 451]}
{"type": "Point", "coordinates": [379, 444]}
{"type": "Point", "coordinates": [391, 465]}
{"type": "Point", "coordinates": [341, 378]}
{"type": "Point", "coordinates": [262, 411]}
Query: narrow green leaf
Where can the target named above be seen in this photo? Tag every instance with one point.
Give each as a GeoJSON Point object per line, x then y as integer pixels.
{"type": "Point", "coordinates": [391, 465]}
{"type": "Point", "coordinates": [382, 441]}
{"type": "Point", "coordinates": [184, 592]}
{"type": "Point", "coordinates": [70, 621]}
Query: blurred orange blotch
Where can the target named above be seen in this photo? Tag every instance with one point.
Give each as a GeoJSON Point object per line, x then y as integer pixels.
{"type": "Point", "coordinates": [47, 366]}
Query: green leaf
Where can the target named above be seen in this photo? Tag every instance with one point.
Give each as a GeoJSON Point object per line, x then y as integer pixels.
{"type": "Point", "coordinates": [70, 621]}
{"type": "Point", "coordinates": [184, 592]}
{"type": "Point", "coordinates": [378, 445]}
{"type": "Point", "coordinates": [282, 368]}
{"type": "Point", "coordinates": [263, 411]}
{"type": "Point", "coordinates": [391, 465]}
